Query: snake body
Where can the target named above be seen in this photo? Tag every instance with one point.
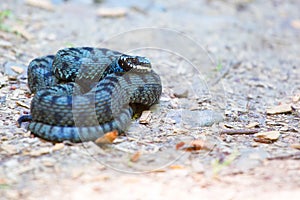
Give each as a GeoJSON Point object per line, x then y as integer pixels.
{"type": "Point", "coordinates": [82, 93]}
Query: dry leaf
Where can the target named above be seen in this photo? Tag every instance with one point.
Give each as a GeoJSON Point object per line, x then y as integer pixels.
{"type": "Point", "coordinates": [135, 156]}
{"type": "Point", "coordinates": [179, 145]}
{"type": "Point", "coordinates": [283, 108]}
{"type": "Point", "coordinates": [177, 167]}
{"type": "Point", "coordinates": [265, 137]}
{"type": "Point", "coordinates": [108, 138]}
{"type": "Point", "coordinates": [296, 146]}
{"type": "Point", "coordinates": [197, 145]}
{"type": "Point", "coordinates": [111, 12]}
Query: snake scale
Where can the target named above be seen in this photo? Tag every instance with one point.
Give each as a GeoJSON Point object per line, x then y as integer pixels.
{"type": "Point", "coordinates": [82, 93]}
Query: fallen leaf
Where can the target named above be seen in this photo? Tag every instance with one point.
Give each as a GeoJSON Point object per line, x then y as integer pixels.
{"type": "Point", "coordinates": [107, 138]}
{"type": "Point", "coordinates": [179, 145]}
{"type": "Point", "coordinates": [283, 108]}
{"type": "Point", "coordinates": [135, 156]}
{"type": "Point", "coordinates": [177, 167]}
{"type": "Point", "coordinates": [266, 137]}
{"type": "Point", "coordinates": [145, 117]}
{"type": "Point", "coordinates": [197, 145]}
{"type": "Point", "coordinates": [296, 146]}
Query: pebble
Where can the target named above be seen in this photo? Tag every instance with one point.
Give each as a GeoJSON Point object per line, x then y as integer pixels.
{"type": "Point", "coordinates": [181, 93]}
{"type": "Point", "coordinates": [111, 12]}
{"type": "Point", "coordinates": [283, 108]}
{"type": "Point", "coordinates": [269, 135]}
{"type": "Point", "coordinates": [145, 117]}
{"type": "Point", "coordinates": [45, 4]}
{"type": "Point", "coordinates": [13, 69]}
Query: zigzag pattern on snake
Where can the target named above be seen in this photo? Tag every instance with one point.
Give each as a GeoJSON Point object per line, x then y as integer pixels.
{"type": "Point", "coordinates": [82, 93]}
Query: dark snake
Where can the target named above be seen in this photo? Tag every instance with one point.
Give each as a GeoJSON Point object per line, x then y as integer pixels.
{"type": "Point", "coordinates": [82, 93]}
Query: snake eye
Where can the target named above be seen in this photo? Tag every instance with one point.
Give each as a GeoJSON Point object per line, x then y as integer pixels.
{"type": "Point", "coordinates": [123, 63]}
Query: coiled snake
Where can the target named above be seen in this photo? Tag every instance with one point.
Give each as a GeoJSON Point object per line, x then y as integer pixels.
{"type": "Point", "coordinates": [82, 93]}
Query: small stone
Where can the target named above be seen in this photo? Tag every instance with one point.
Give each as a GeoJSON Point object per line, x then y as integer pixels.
{"type": "Point", "coordinates": [58, 146]}
{"type": "Point", "coordinates": [48, 162]}
{"type": "Point", "coordinates": [112, 12]}
{"type": "Point", "coordinates": [4, 43]}
{"type": "Point", "coordinates": [268, 136]}
{"type": "Point", "coordinates": [9, 149]}
{"type": "Point", "coordinates": [296, 98]}
{"type": "Point", "coordinates": [284, 128]}
{"type": "Point", "coordinates": [17, 69]}
{"type": "Point", "coordinates": [283, 108]}
{"type": "Point", "coordinates": [181, 93]}
{"type": "Point", "coordinates": [145, 118]}
{"type": "Point", "coordinates": [45, 4]}
{"type": "Point", "coordinates": [295, 23]}
{"type": "Point", "coordinates": [252, 125]}
{"type": "Point", "coordinates": [13, 69]}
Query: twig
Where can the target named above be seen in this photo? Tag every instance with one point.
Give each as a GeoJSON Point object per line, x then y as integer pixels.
{"type": "Point", "coordinates": [239, 131]}
{"type": "Point", "coordinates": [293, 156]}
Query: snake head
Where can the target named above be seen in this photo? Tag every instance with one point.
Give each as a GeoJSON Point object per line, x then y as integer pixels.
{"type": "Point", "coordinates": [134, 63]}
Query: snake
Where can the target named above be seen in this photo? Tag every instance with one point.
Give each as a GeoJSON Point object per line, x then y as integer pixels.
{"type": "Point", "coordinates": [81, 93]}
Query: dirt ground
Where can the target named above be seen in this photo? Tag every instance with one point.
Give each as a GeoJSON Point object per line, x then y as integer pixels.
{"type": "Point", "coordinates": [226, 127]}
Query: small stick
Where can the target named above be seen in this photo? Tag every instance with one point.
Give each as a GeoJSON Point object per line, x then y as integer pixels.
{"type": "Point", "coordinates": [292, 156]}
{"type": "Point", "coordinates": [239, 131]}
